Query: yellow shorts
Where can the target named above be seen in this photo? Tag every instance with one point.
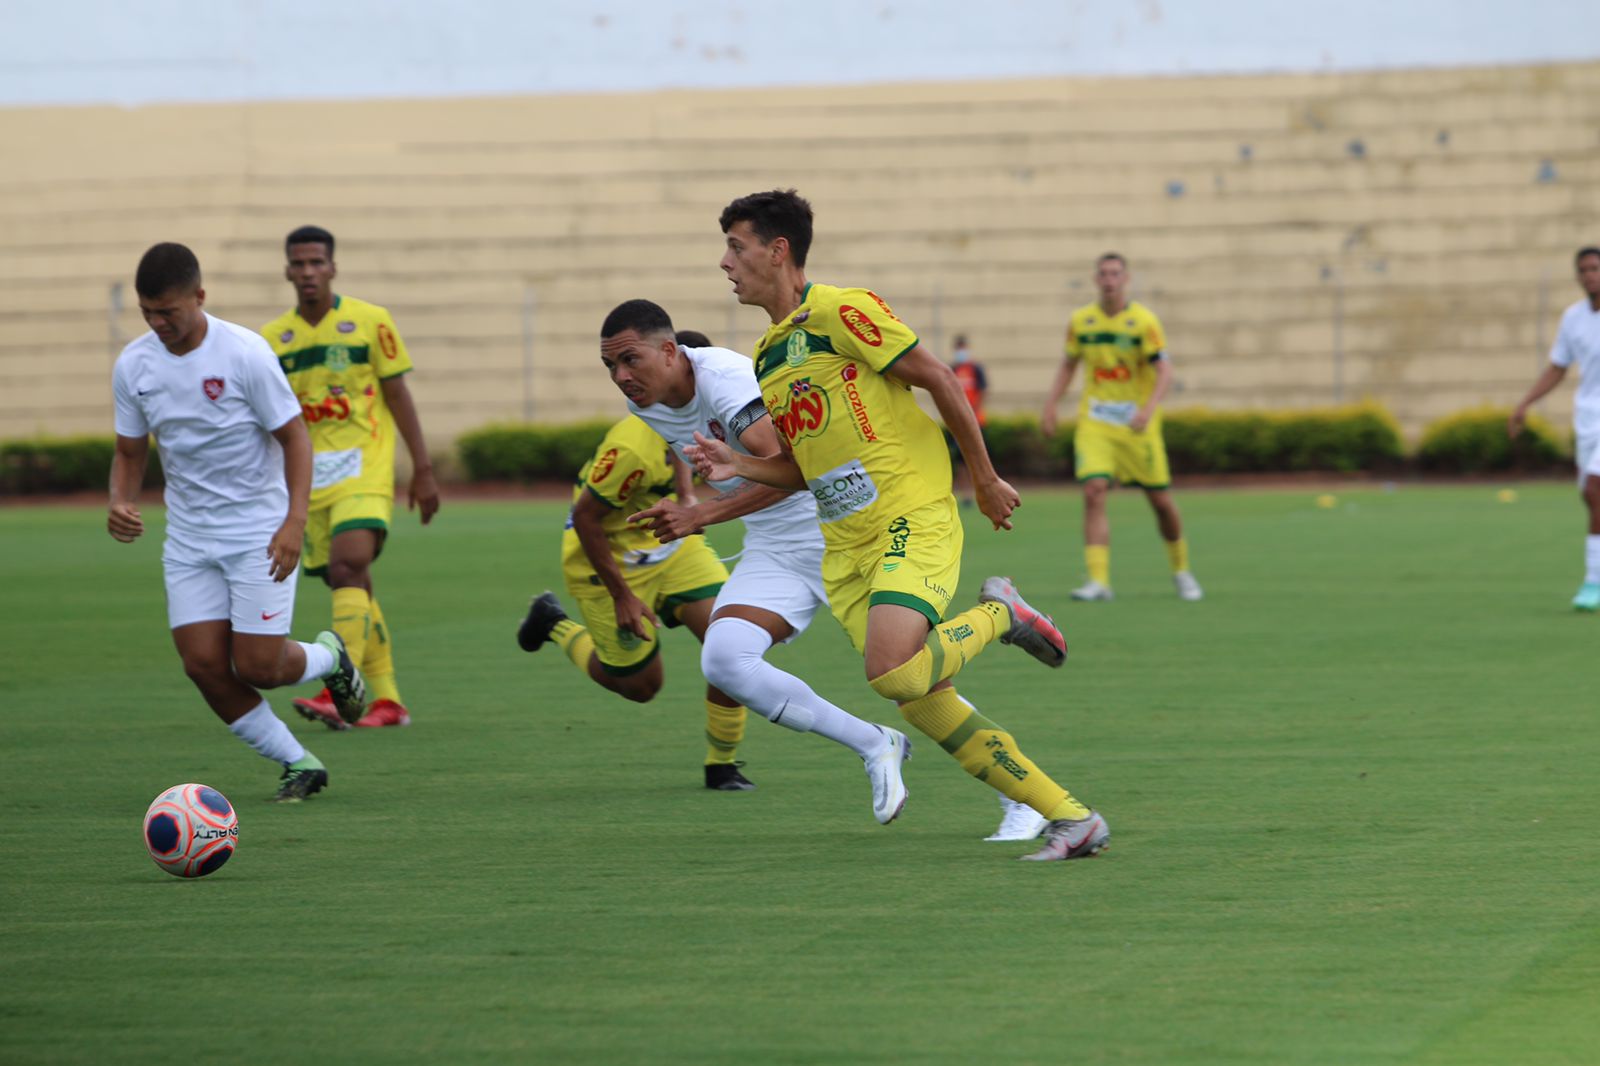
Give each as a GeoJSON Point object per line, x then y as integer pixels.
{"type": "Point", "coordinates": [1102, 449]}
{"type": "Point", "coordinates": [364, 511]}
{"type": "Point", "coordinates": [688, 575]}
{"type": "Point", "coordinates": [915, 562]}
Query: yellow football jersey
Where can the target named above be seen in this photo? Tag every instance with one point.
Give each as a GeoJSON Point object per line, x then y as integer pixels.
{"type": "Point", "coordinates": [628, 472]}
{"type": "Point", "coordinates": [869, 453]}
{"type": "Point", "coordinates": [335, 368]}
{"type": "Point", "coordinates": [1118, 353]}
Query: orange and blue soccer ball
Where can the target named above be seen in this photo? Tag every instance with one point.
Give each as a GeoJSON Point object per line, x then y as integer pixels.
{"type": "Point", "coordinates": [191, 830]}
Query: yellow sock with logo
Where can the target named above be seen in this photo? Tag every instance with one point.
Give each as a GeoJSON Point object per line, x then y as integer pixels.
{"type": "Point", "coordinates": [724, 731]}
{"type": "Point", "coordinates": [378, 664]}
{"type": "Point", "coordinates": [989, 753]}
{"type": "Point", "coordinates": [352, 620]}
{"type": "Point", "coordinates": [574, 640]}
{"type": "Point", "coordinates": [1097, 560]}
{"type": "Point", "coordinates": [1178, 554]}
{"type": "Point", "coordinates": [950, 646]}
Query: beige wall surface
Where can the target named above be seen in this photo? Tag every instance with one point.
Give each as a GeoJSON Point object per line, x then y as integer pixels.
{"type": "Point", "coordinates": [1400, 236]}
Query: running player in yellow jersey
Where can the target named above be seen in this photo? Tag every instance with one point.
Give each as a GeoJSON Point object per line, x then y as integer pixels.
{"type": "Point", "coordinates": [836, 369]}
{"type": "Point", "coordinates": [626, 582]}
{"type": "Point", "coordinates": [1126, 375]}
{"type": "Point", "coordinates": [346, 362]}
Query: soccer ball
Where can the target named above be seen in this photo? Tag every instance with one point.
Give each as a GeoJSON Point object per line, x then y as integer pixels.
{"type": "Point", "coordinates": [191, 830]}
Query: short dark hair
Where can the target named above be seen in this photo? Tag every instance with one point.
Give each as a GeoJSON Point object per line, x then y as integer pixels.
{"type": "Point", "coordinates": [164, 268]}
{"type": "Point", "coordinates": [1584, 252]}
{"type": "Point", "coordinates": [693, 338]}
{"type": "Point", "coordinates": [641, 316]}
{"type": "Point", "coordinates": [309, 235]}
{"type": "Point", "coordinates": [1110, 256]}
{"type": "Point", "coordinates": [778, 213]}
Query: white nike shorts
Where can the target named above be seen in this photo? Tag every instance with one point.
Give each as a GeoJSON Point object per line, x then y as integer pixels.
{"type": "Point", "coordinates": [786, 580]}
{"type": "Point", "coordinates": [1588, 457]}
{"type": "Point", "coordinates": [227, 582]}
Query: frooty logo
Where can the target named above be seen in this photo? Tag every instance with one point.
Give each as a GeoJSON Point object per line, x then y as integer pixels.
{"type": "Point", "coordinates": [805, 415]}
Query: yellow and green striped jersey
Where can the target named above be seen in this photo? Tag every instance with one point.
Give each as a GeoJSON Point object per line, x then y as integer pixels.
{"type": "Point", "coordinates": [1119, 353]}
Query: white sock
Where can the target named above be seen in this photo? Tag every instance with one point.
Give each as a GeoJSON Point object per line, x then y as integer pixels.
{"type": "Point", "coordinates": [1591, 558]}
{"type": "Point", "coordinates": [268, 736]}
{"type": "Point", "coordinates": [732, 661]}
{"type": "Point", "coordinates": [319, 663]}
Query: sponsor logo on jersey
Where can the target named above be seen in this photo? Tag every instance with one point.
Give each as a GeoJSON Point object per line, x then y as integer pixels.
{"type": "Point", "coordinates": [335, 390]}
{"type": "Point", "coordinates": [286, 336]}
{"type": "Point", "coordinates": [899, 534]}
{"type": "Point", "coordinates": [602, 466]}
{"type": "Point", "coordinates": [1132, 323]}
{"type": "Point", "coordinates": [213, 388]}
{"type": "Point", "coordinates": [798, 349]}
{"type": "Point", "coordinates": [800, 316]}
{"type": "Point", "coordinates": [334, 406]}
{"type": "Point", "coordinates": [346, 327]}
{"type": "Point", "coordinates": [857, 322]}
{"type": "Point", "coordinates": [879, 301]}
{"type": "Point", "coordinates": [1112, 373]}
{"type": "Point", "coordinates": [805, 415]}
{"type": "Point", "coordinates": [338, 358]}
{"type": "Point", "coordinates": [717, 431]}
{"type": "Point", "coordinates": [386, 341]}
{"type": "Point", "coordinates": [858, 407]}
{"type": "Point", "coordinates": [628, 484]}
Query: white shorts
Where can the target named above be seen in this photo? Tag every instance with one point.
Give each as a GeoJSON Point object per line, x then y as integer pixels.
{"type": "Point", "coordinates": [226, 582]}
{"type": "Point", "coordinates": [1588, 457]}
{"type": "Point", "coordinates": [785, 580]}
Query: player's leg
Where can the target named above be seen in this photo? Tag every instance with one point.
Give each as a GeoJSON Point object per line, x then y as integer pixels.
{"type": "Point", "coordinates": [314, 563]}
{"type": "Point", "coordinates": [1588, 597]}
{"type": "Point", "coordinates": [725, 715]}
{"type": "Point", "coordinates": [1142, 461]}
{"type": "Point", "coordinates": [618, 662]}
{"type": "Point", "coordinates": [378, 668]}
{"type": "Point", "coordinates": [1095, 466]}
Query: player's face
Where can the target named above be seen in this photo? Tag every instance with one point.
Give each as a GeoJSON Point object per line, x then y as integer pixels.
{"type": "Point", "coordinates": [1111, 277]}
{"type": "Point", "coordinates": [641, 367]}
{"type": "Point", "coordinates": [750, 263]}
{"type": "Point", "coordinates": [311, 271]}
{"type": "Point", "coordinates": [174, 316]}
{"type": "Point", "coordinates": [1589, 275]}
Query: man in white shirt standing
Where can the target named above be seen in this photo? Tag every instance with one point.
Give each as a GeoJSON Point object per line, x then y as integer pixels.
{"type": "Point", "coordinates": [1578, 341]}
{"type": "Point", "coordinates": [237, 460]}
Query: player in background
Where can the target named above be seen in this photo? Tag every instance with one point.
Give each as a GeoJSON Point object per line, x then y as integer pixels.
{"type": "Point", "coordinates": [776, 587]}
{"type": "Point", "coordinates": [346, 362]}
{"type": "Point", "coordinates": [836, 369]}
{"type": "Point", "coordinates": [625, 582]}
{"type": "Point", "coordinates": [974, 385]}
{"type": "Point", "coordinates": [1119, 422]}
{"type": "Point", "coordinates": [237, 461]}
{"type": "Point", "coordinates": [1578, 341]}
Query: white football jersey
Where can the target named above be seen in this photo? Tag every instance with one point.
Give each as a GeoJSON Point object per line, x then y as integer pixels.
{"type": "Point", "coordinates": [212, 412]}
{"type": "Point", "coordinates": [1578, 341]}
{"type": "Point", "coordinates": [727, 401]}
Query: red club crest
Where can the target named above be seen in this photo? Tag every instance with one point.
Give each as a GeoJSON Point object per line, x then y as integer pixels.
{"type": "Point", "coordinates": [214, 387]}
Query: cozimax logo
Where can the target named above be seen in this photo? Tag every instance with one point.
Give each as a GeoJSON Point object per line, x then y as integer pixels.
{"type": "Point", "coordinates": [858, 407]}
{"type": "Point", "coordinates": [857, 322]}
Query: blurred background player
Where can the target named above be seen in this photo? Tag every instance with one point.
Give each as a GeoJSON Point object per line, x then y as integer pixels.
{"type": "Point", "coordinates": [237, 461]}
{"type": "Point", "coordinates": [624, 581]}
{"type": "Point", "coordinates": [1578, 341]}
{"type": "Point", "coordinates": [836, 368]}
{"type": "Point", "coordinates": [346, 361]}
{"type": "Point", "coordinates": [1118, 433]}
{"type": "Point", "coordinates": [975, 385]}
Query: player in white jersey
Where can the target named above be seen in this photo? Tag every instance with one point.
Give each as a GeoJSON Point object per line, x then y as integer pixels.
{"type": "Point", "coordinates": [237, 460]}
{"type": "Point", "coordinates": [1578, 341]}
{"type": "Point", "coordinates": [776, 587]}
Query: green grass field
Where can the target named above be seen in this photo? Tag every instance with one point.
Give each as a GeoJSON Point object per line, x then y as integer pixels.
{"type": "Point", "coordinates": [1351, 796]}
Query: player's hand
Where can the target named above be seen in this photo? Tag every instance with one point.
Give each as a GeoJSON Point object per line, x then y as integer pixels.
{"type": "Point", "coordinates": [669, 520]}
{"type": "Point", "coordinates": [123, 522]}
{"type": "Point", "coordinates": [424, 496]}
{"type": "Point", "coordinates": [1515, 422]}
{"type": "Point", "coordinates": [284, 548]}
{"type": "Point", "coordinates": [1140, 419]}
{"type": "Point", "coordinates": [997, 499]}
{"type": "Point", "coordinates": [631, 613]}
{"type": "Point", "coordinates": [713, 459]}
{"type": "Point", "coordinates": [1047, 423]}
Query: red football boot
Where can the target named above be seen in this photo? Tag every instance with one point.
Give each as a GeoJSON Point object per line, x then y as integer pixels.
{"type": "Point", "coordinates": [384, 712]}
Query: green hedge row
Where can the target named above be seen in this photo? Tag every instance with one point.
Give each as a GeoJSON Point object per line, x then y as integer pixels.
{"type": "Point", "coordinates": [65, 464]}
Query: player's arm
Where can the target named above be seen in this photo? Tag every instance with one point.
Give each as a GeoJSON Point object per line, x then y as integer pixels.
{"type": "Point", "coordinates": [922, 369]}
{"type": "Point", "coordinates": [588, 514]}
{"type": "Point", "coordinates": [668, 520]}
{"type": "Point", "coordinates": [1058, 388]}
{"type": "Point", "coordinates": [715, 461]}
{"type": "Point", "coordinates": [1143, 415]}
{"type": "Point", "coordinates": [1548, 380]}
{"type": "Point", "coordinates": [682, 481]}
{"type": "Point", "coordinates": [127, 476]}
{"type": "Point", "coordinates": [424, 491]}
{"type": "Point", "coordinates": [284, 548]}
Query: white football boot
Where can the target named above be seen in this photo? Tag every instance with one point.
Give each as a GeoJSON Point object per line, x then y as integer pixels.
{"type": "Point", "coordinates": [1092, 591]}
{"type": "Point", "coordinates": [1188, 588]}
{"type": "Point", "coordinates": [1020, 822]}
{"type": "Point", "coordinates": [883, 771]}
{"type": "Point", "coordinates": [1069, 838]}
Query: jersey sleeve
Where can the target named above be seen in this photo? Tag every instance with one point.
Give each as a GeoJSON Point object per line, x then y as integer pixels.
{"type": "Point", "coordinates": [1153, 339]}
{"type": "Point", "coordinates": [863, 327]}
{"type": "Point", "coordinates": [1561, 350]}
{"type": "Point", "coordinates": [618, 471]}
{"type": "Point", "coordinates": [737, 398]}
{"type": "Point", "coordinates": [1074, 345]}
{"type": "Point", "coordinates": [268, 392]}
{"type": "Point", "coordinates": [129, 416]}
{"type": "Point", "coordinates": [391, 358]}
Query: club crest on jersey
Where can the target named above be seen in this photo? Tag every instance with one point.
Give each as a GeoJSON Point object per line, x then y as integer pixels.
{"type": "Point", "coordinates": [213, 388]}
{"type": "Point", "coordinates": [798, 350]}
{"type": "Point", "coordinates": [717, 431]}
{"type": "Point", "coordinates": [805, 415]}
{"type": "Point", "coordinates": [338, 358]}
{"type": "Point", "coordinates": [602, 466]}
{"type": "Point", "coordinates": [286, 336]}
{"type": "Point", "coordinates": [346, 327]}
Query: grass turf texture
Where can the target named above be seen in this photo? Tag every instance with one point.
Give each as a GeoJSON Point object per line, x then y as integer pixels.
{"type": "Point", "coordinates": [1350, 793]}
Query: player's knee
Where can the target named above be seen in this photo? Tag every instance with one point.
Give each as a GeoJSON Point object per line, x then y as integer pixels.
{"type": "Point", "coordinates": [639, 689]}
{"type": "Point", "coordinates": [258, 671]}
{"type": "Point", "coordinates": [343, 574]}
{"type": "Point", "coordinates": [1095, 489]}
{"type": "Point", "coordinates": [206, 672]}
{"type": "Point", "coordinates": [899, 684]}
{"type": "Point", "coordinates": [731, 659]}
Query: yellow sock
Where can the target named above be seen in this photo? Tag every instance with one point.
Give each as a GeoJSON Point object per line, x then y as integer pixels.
{"type": "Point", "coordinates": [724, 731]}
{"type": "Point", "coordinates": [1178, 554]}
{"type": "Point", "coordinates": [1097, 559]}
{"type": "Point", "coordinates": [574, 640]}
{"type": "Point", "coordinates": [989, 753]}
{"type": "Point", "coordinates": [950, 646]}
{"type": "Point", "coordinates": [352, 620]}
{"type": "Point", "coordinates": [378, 664]}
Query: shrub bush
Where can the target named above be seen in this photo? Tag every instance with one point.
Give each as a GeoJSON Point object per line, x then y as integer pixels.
{"type": "Point", "coordinates": [522, 452]}
{"type": "Point", "coordinates": [1475, 442]}
{"type": "Point", "coordinates": [66, 464]}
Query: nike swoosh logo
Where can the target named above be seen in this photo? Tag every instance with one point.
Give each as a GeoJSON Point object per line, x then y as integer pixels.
{"type": "Point", "coordinates": [265, 617]}
{"type": "Point", "coordinates": [144, 392]}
